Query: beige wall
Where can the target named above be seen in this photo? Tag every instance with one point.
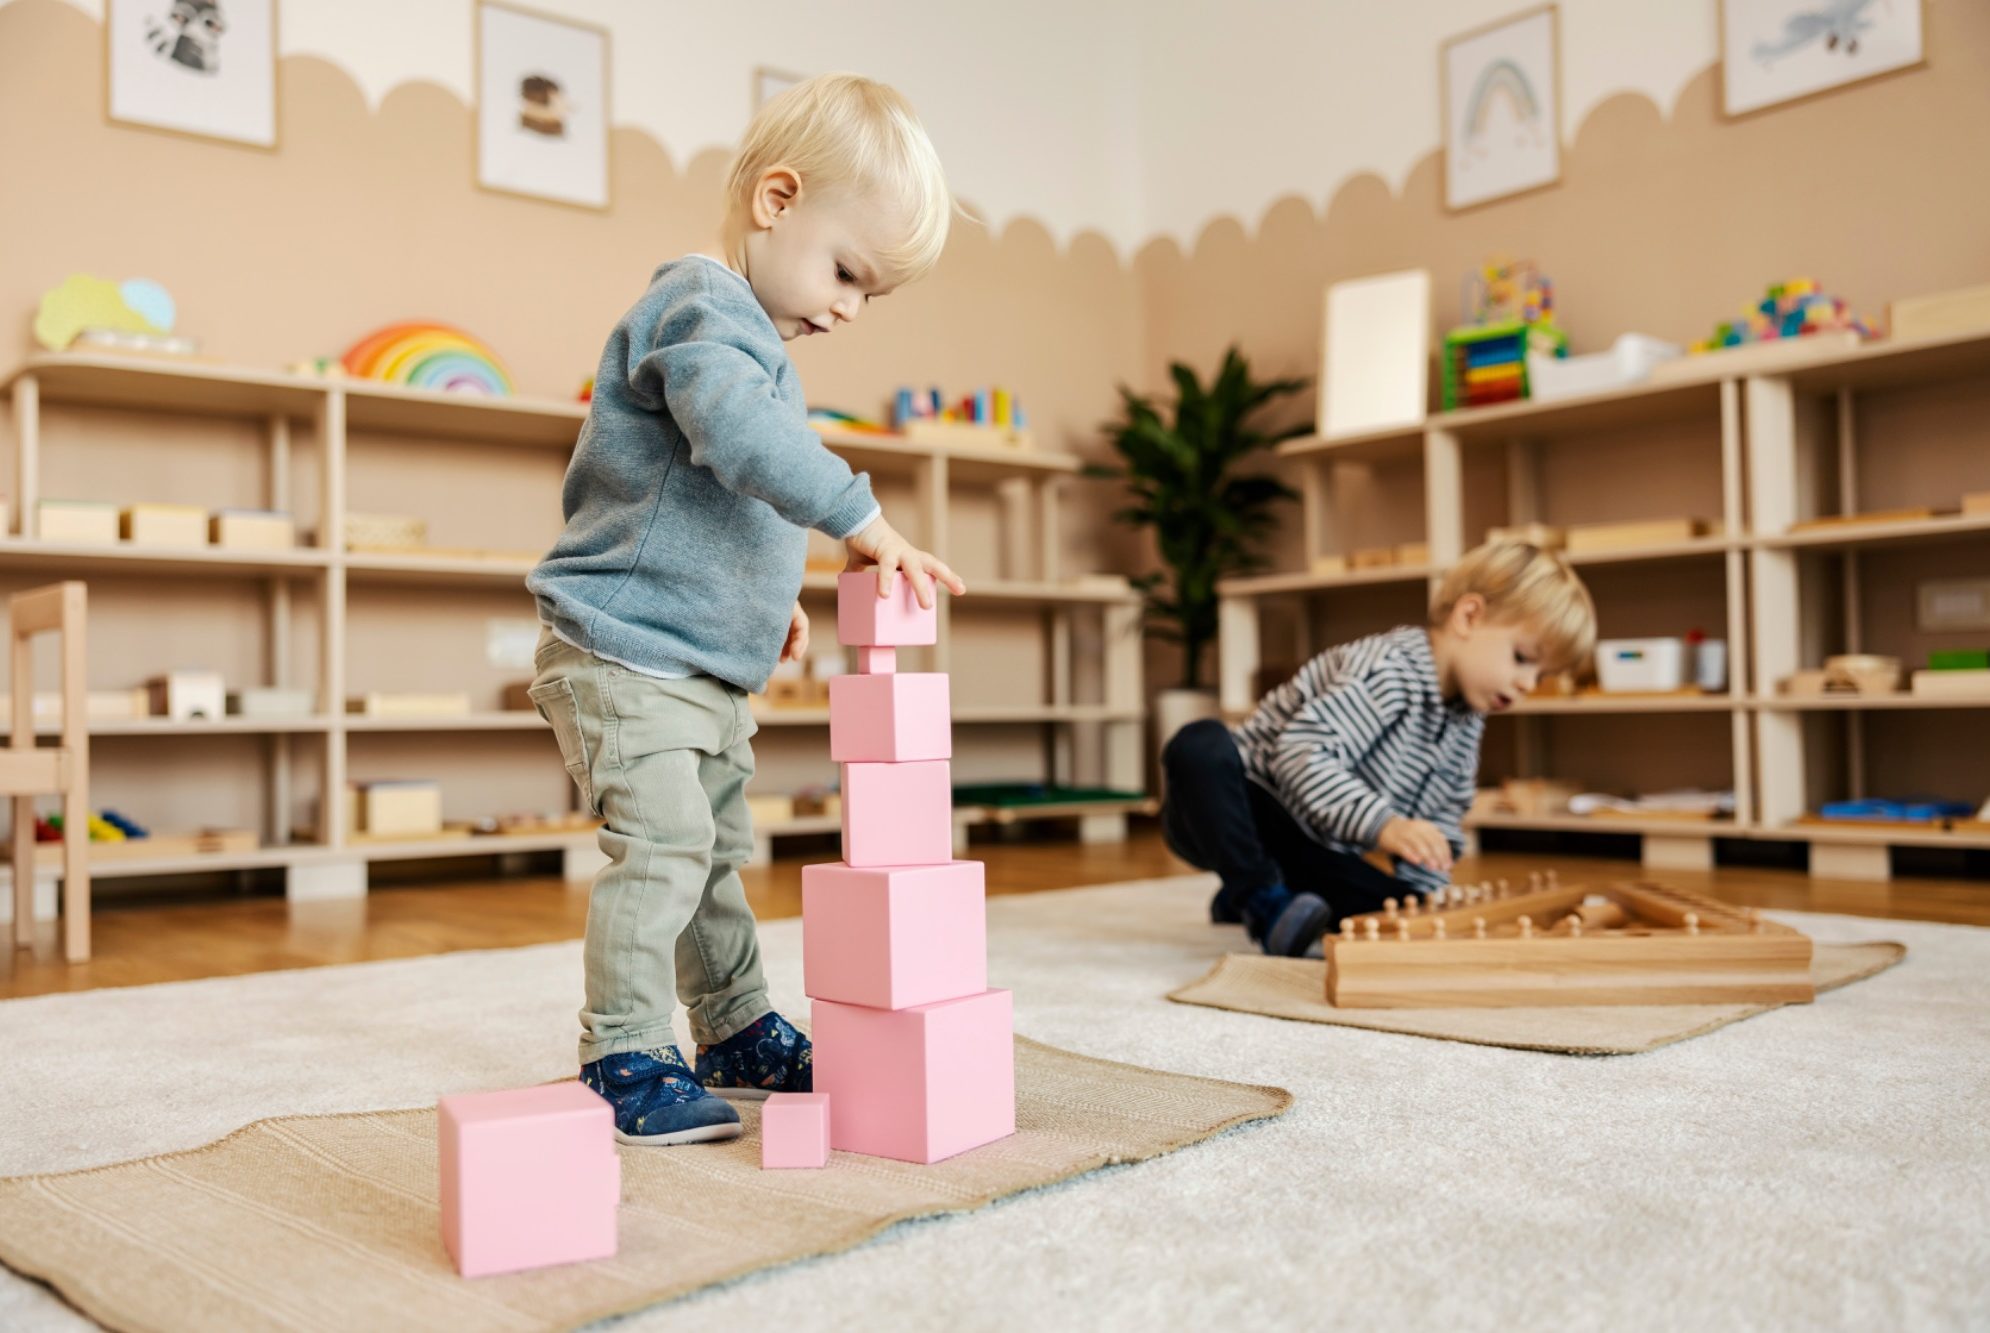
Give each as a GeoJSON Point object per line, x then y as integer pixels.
{"type": "Point", "coordinates": [1664, 222]}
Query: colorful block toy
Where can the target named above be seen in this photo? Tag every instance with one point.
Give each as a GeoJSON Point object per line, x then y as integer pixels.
{"type": "Point", "coordinates": [889, 719]}
{"type": "Point", "coordinates": [866, 620]}
{"type": "Point", "coordinates": [894, 937]}
{"type": "Point", "coordinates": [898, 814]}
{"type": "Point", "coordinates": [794, 1130]}
{"type": "Point", "coordinates": [918, 1084]}
{"type": "Point", "coordinates": [529, 1178]}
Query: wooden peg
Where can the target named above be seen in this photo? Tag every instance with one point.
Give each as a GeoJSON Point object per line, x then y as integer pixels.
{"type": "Point", "coordinates": [1533, 881]}
{"type": "Point", "coordinates": [1526, 927]}
{"type": "Point", "coordinates": [1389, 905]}
{"type": "Point", "coordinates": [1347, 927]}
{"type": "Point", "coordinates": [1692, 923]}
{"type": "Point", "coordinates": [1478, 927]}
{"type": "Point", "coordinates": [1554, 880]}
{"type": "Point", "coordinates": [1575, 926]}
{"type": "Point", "coordinates": [1402, 928]}
{"type": "Point", "coordinates": [1412, 905]}
{"type": "Point", "coordinates": [1374, 929]}
{"type": "Point", "coordinates": [1502, 888]}
{"type": "Point", "coordinates": [1437, 931]}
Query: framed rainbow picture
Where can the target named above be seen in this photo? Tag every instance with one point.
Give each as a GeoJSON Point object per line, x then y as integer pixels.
{"type": "Point", "coordinates": [1502, 107]}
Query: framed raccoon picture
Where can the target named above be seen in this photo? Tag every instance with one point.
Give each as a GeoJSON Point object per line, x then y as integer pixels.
{"type": "Point", "coordinates": [200, 67]}
{"type": "Point", "coordinates": [542, 106]}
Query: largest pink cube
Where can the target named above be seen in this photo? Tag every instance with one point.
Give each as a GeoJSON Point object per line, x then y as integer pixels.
{"type": "Point", "coordinates": [898, 814]}
{"type": "Point", "coordinates": [918, 1084]}
{"type": "Point", "coordinates": [896, 620]}
{"type": "Point", "coordinates": [529, 1178]}
{"type": "Point", "coordinates": [896, 936]}
{"type": "Point", "coordinates": [890, 719]}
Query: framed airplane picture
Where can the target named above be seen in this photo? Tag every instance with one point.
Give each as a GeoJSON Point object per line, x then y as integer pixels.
{"type": "Point", "coordinates": [1776, 51]}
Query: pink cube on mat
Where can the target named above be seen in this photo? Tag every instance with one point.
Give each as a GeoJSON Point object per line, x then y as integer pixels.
{"type": "Point", "coordinates": [890, 719]}
{"type": "Point", "coordinates": [866, 620]}
{"type": "Point", "coordinates": [794, 1130]}
{"type": "Point", "coordinates": [896, 936]}
{"type": "Point", "coordinates": [529, 1178]}
{"type": "Point", "coordinates": [918, 1084]}
{"type": "Point", "coordinates": [898, 814]}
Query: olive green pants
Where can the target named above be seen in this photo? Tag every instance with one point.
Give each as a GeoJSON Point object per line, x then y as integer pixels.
{"type": "Point", "coordinates": [665, 763]}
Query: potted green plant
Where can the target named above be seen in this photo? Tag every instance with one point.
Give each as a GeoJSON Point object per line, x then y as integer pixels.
{"type": "Point", "coordinates": [1209, 518]}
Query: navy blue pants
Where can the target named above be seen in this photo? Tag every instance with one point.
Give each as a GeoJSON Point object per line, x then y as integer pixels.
{"type": "Point", "coordinates": [1217, 819]}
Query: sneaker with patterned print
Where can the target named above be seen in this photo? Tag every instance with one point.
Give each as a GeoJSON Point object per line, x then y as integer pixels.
{"type": "Point", "coordinates": [769, 1056]}
{"type": "Point", "coordinates": [658, 1100]}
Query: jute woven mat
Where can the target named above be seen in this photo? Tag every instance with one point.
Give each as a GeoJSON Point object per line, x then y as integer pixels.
{"type": "Point", "coordinates": [329, 1222]}
{"type": "Point", "coordinates": [1296, 988]}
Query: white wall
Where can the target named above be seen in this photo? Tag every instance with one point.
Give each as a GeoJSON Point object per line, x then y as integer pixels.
{"type": "Point", "coordinates": [1131, 119]}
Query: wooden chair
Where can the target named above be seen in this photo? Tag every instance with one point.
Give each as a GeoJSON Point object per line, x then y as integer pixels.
{"type": "Point", "coordinates": [28, 770]}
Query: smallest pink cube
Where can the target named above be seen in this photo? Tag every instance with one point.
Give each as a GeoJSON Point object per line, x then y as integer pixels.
{"type": "Point", "coordinates": [866, 620]}
{"type": "Point", "coordinates": [794, 1130]}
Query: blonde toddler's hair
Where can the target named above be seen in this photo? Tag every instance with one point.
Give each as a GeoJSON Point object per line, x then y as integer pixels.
{"type": "Point", "coordinates": [1525, 585]}
{"type": "Point", "coordinates": [844, 133]}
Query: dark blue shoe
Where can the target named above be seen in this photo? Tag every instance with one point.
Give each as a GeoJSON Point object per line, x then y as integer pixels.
{"type": "Point", "coordinates": [1298, 926]}
{"type": "Point", "coordinates": [757, 1061]}
{"type": "Point", "coordinates": [657, 1100]}
{"type": "Point", "coordinates": [1259, 909]}
{"type": "Point", "coordinates": [1223, 910]}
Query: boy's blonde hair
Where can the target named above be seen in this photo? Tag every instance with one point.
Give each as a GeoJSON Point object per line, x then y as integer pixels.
{"type": "Point", "coordinates": [847, 133]}
{"type": "Point", "coordinates": [1525, 585]}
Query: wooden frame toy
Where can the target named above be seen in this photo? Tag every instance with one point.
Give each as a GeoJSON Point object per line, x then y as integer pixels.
{"type": "Point", "coordinates": [1619, 943]}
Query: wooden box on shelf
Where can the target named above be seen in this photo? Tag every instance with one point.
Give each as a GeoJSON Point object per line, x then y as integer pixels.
{"type": "Point", "coordinates": [1643, 532]}
{"type": "Point", "coordinates": [380, 703]}
{"type": "Point", "coordinates": [174, 527]}
{"type": "Point", "coordinates": [85, 522]}
{"type": "Point", "coordinates": [253, 530]}
{"type": "Point", "coordinates": [384, 532]}
{"type": "Point", "coordinates": [188, 696]}
{"type": "Point", "coordinates": [270, 701]}
{"type": "Point", "coordinates": [1976, 504]}
{"type": "Point", "coordinates": [1544, 535]}
{"type": "Point", "coordinates": [395, 809]}
{"type": "Point", "coordinates": [965, 435]}
{"type": "Point", "coordinates": [1974, 684]}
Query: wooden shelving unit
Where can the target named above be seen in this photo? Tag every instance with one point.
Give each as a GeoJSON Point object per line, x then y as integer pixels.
{"type": "Point", "coordinates": [1797, 459]}
{"type": "Point", "coordinates": [1090, 722]}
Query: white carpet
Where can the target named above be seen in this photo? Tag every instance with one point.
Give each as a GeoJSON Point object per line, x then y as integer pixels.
{"type": "Point", "coordinates": [1819, 1166]}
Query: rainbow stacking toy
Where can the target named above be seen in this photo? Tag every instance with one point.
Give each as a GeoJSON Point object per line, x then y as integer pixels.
{"type": "Point", "coordinates": [915, 1052]}
{"type": "Point", "coordinates": [429, 356]}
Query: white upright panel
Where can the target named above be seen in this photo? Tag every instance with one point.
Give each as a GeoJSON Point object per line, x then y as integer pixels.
{"type": "Point", "coordinates": [1376, 369]}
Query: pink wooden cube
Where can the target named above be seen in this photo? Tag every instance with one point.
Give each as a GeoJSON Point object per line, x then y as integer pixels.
{"type": "Point", "coordinates": [794, 1130]}
{"type": "Point", "coordinates": [529, 1178]}
{"type": "Point", "coordinates": [866, 620]}
{"type": "Point", "coordinates": [877, 661]}
{"type": "Point", "coordinates": [898, 814]}
{"type": "Point", "coordinates": [890, 719]}
{"type": "Point", "coordinates": [895, 937]}
{"type": "Point", "coordinates": [918, 1084]}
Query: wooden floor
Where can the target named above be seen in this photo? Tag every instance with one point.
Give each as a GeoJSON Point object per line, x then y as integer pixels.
{"type": "Point", "coordinates": [140, 942]}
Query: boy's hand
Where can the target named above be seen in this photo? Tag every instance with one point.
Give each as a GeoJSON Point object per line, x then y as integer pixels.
{"type": "Point", "coordinates": [796, 648]}
{"type": "Point", "coordinates": [1417, 841]}
{"type": "Point", "coordinates": [880, 545]}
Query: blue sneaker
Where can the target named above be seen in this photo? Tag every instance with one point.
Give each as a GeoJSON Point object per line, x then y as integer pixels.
{"type": "Point", "coordinates": [1285, 923]}
{"type": "Point", "coordinates": [1223, 910]}
{"type": "Point", "coordinates": [769, 1056]}
{"type": "Point", "coordinates": [658, 1101]}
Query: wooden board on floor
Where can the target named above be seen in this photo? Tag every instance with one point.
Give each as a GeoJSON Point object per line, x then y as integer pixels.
{"type": "Point", "coordinates": [1604, 944]}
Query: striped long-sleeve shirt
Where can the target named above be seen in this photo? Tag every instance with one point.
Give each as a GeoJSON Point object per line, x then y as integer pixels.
{"type": "Point", "coordinates": [1361, 735]}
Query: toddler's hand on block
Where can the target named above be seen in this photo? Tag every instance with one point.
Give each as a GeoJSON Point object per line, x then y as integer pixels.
{"type": "Point", "coordinates": [1417, 841]}
{"type": "Point", "coordinates": [880, 545]}
{"type": "Point", "coordinates": [796, 648]}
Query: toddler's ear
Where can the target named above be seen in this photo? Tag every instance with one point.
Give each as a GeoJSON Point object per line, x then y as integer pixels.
{"type": "Point", "coordinates": [775, 193]}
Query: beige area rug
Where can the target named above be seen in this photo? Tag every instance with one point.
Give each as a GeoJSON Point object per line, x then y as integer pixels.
{"type": "Point", "coordinates": [1820, 1166]}
{"type": "Point", "coordinates": [1296, 988]}
{"type": "Point", "coordinates": [329, 1222]}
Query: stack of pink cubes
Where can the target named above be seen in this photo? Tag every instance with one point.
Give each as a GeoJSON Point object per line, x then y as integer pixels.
{"type": "Point", "coordinates": [913, 1049]}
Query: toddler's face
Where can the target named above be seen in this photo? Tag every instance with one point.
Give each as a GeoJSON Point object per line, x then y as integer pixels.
{"type": "Point", "coordinates": [815, 265]}
{"type": "Point", "coordinates": [1498, 665]}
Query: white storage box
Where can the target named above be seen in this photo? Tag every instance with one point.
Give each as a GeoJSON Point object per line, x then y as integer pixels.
{"type": "Point", "coordinates": [1639, 666]}
{"type": "Point", "coordinates": [1629, 360]}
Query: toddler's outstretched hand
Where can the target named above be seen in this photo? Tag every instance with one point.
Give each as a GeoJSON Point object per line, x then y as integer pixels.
{"type": "Point", "coordinates": [880, 545]}
{"type": "Point", "coordinates": [1417, 841]}
{"type": "Point", "coordinates": [796, 648]}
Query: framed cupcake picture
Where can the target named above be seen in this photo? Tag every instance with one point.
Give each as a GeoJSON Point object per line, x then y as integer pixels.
{"type": "Point", "coordinates": [542, 106]}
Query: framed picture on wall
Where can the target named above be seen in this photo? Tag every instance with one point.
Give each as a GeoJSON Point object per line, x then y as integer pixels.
{"type": "Point", "coordinates": [1501, 91]}
{"type": "Point", "coordinates": [542, 106]}
{"type": "Point", "coordinates": [769, 84]}
{"type": "Point", "coordinates": [201, 67]}
{"type": "Point", "coordinates": [1775, 51]}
